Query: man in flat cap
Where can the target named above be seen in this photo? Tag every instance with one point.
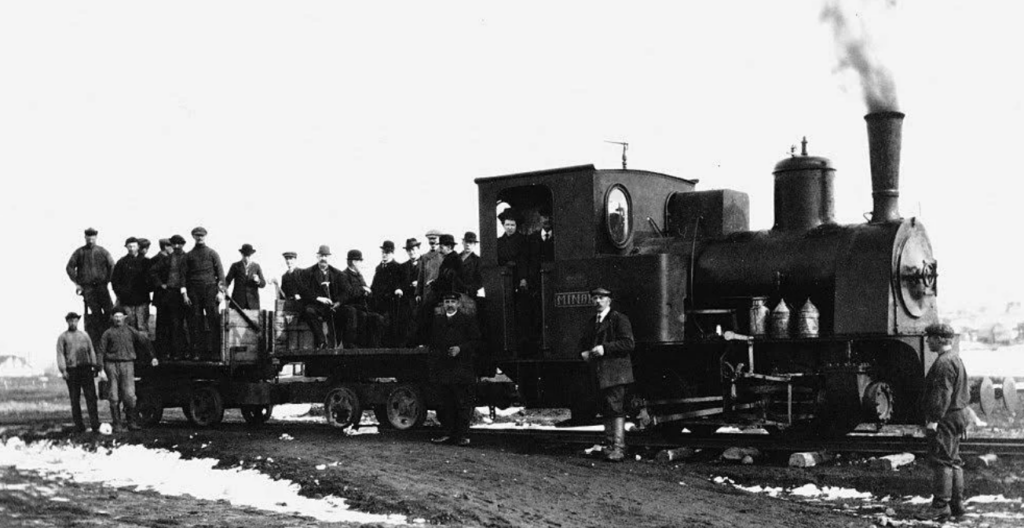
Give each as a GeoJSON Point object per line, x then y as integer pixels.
{"type": "Point", "coordinates": [430, 263]}
{"type": "Point", "coordinates": [606, 345]}
{"type": "Point", "coordinates": [362, 325]}
{"type": "Point", "coordinates": [388, 296]}
{"type": "Point", "coordinates": [321, 289]}
{"type": "Point", "coordinates": [203, 291]}
{"type": "Point", "coordinates": [119, 347]}
{"type": "Point", "coordinates": [168, 281]}
{"type": "Point", "coordinates": [156, 277]}
{"type": "Point", "coordinates": [76, 360]}
{"type": "Point", "coordinates": [131, 287]}
{"type": "Point", "coordinates": [288, 287]}
{"type": "Point", "coordinates": [90, 267]}
{"type": "Point", "coordinates": [470, 275]}
{"type": "Point", "coordinates": [248, 278]}
{"type": "Point", "coordinates": [454, 341]}
{"type": "Point", "coordinates": [946, 396]}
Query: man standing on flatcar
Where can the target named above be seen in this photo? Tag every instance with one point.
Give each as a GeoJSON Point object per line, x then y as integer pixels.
{"type": "Point", "coordinates": [606, 345]}
{"type": "Point", "coordinates": [129, 281]}
{"type": "Point", "coordinates": [76, 360]}
{"type": "Point", "coordinates": [470, 274]}
{"type": "Point", "coordinates": [388, 296]}
{"type": "Point", "coordinates": [90, 267]}
{"type": "Point", "coordinates": [168, 282]}
{"type": "Point", "coordinates": [203, 291]}
{"type": "Point", "coordinates": [454, 339]}
{"type": "Point", "coordinates": [430, 263]}
{"type": "Point", "coordinates": [248, 278]}
{"type": "Point", "coordinates": [945, 399]}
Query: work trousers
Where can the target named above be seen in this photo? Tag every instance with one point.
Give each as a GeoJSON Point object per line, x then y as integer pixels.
{"type": "Point", "coordinates": [458, 400]}
{"type": "Point", "coordinates": [80, 383]}
{"type": "Point", "coordinates": [204, 325]}
{"type": "Point", "coordinates": [613, 401]}
{"type": "Point", "coordinates": [171, 333]}
{"type": "Point", "coordinates": [121, 376]}
{"type": "Point", "coordinates": [944, 444]}
{"type": "Point", "coordinates": [98, 306]}
{"type": "Point", "coordinates": [137, 317]}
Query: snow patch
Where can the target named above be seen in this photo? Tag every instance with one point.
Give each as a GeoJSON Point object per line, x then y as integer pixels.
{"type": "Point", "coordinates": [166, 472]}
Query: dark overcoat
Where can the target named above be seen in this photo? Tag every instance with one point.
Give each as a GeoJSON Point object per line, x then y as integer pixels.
{"type": "Point", "coordinates": [311, 284]}
{"type": "Point", "coordinates": [449, 275]}
{"type": "Point", "coordinates": [353, 288]}
{"type": "Point", "coordinates": [387, 278]}
{"type": "Point", "coordinates": [290, 281]}
{"type": "Point", "coordinates": [410, 273]}
{"type": "Point", "coordinates": [458, 330]}
{"type": "Point", "coordinates": [515, 250]}
{"type": "Point", "coordinates": [615, 367]}
{"type": "Point", "coordinates": [247, 291]}
{"type": "Point", "coordinates": [129, 280]}
{"type": "Point", "coordinates": [471, 278]}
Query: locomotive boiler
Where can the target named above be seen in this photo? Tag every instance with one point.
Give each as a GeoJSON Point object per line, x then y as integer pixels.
{"type": "Point", "coordinates": [809, 322]}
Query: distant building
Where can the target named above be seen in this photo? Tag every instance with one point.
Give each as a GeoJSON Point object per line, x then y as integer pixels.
{"type": "Point", "coordinates": [17, 367]}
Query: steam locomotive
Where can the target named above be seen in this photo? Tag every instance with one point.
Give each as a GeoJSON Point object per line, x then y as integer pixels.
{"type": "Point", "coordinates": [809, 322]}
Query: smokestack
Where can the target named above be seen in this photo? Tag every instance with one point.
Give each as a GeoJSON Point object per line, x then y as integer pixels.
{"type": "Point", "coordinates": [885, 137]}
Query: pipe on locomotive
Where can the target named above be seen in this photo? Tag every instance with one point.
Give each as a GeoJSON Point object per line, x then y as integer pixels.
{"type": "Point", "coordinates": [885, 137]}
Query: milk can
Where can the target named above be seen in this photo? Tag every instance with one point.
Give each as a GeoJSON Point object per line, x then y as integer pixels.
{"type": "Point", "coordinates": [780, 320]}
{"type": "Point", "coordinates": [807, 320]}
{"type": "Point", "coordinates": [759, 314]}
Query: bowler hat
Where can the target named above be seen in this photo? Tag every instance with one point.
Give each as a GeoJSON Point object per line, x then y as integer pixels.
{"type": "Point", "coordinates": [470, 238]}
{"type": "Point", "coordinates": [324, 250]}
{"type": "Point", "coordinates": [177, 239]}
{"type": "Point", "coordinates": [450, 295]}
{"type": "Point", "coordinates": [940, 330]}
{"type": "Point", "coordinates": [131, 240]}
{"type": "Point", "coordinates": [91, 232]}
{"type": "Point", "coordinates": [164, 242]}
{"type": "Point", "coordinates": [601, 291]}
{"type": "Point", "coordinates": [290, 254]}
{"type": "Point", "coordinates": [354, 254]}
{"type": "Point", "coordinates": [71, 315]}
{"type": "Point", "coordinates": [434, 233]}
{"type": "Point", "coordinates": [388, 246]}
{"type": "Point", "coordinates": [199, 231]}
{"type": "Point", "coordinates": [247, 249]}
{"type": "Point", "coordinates": [411, 243]}
{"type": "Point", "coordinates": [144, 243]}
{"type": "Point", "coordinates": [447, 240]}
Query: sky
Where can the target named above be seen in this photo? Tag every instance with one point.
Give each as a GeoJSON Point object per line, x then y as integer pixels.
{"type": "Point", "coordinates": [290, 125]}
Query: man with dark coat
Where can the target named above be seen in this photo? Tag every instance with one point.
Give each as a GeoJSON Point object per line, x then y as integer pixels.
{"type": "Point", "coordinates": [430, 263]}
{"type": "Point", "coordinates": [290, 279]}
{"type": "Point", "coordinates": [166, 277]}
{"type": "Point", "coordinates": [204, 291]}
{"type": "Point", "coordinates": [388, 295]}
{"type": "Point", "coordinates": [606, 345]}
{"type": "Point", "coordinates": [542, 242]}
{"type": "Point", "coordinates": [248, 278]}
{"type": "Point", "coordinates": [454, 340]}
{"type": "Point", "coordinates": [321, 289]}
{"type": "Point", "coordinates": [946, 396]}
{"type": "Point", "coordinates": [411, 273]}
{"type": "Point", "coordinates": [76, 360]}
{"type": "Point", "coordinates": [90, 267]}
{"type": "Point", "coordinates": [129, 282]}
{"type": "Point", "coordinates": [470, 275]}
{"type": "Point", "coordinates": [362, 325]}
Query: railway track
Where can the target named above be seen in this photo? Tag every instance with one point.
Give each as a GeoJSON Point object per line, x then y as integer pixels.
{"type": "Point", "coordinates": [856, 443]}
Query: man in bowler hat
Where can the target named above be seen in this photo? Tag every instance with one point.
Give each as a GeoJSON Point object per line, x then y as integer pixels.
{"type": "Point", "coordinates": [362, 324]}
{"type": "Point", "coordinates": [248, 278]}
{"type": "Point", "coordinates": [606, 345]}
{"type": "Point", "coordinates": [470, 275]}
{"type": "Point", "coordinates": [322, 293]}
{"type": "Point", "coordinates": [388, 296]}
{"type": "Point", "coordinates": [454, 341]}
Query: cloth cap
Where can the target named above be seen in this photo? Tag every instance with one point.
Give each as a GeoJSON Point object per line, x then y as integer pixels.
{"type": "Point", "coordinates": [131, 240]}
{"type": "Point", "coordinates": [940, 330]}
{"type": "Point", "coordinates": [447, 240]}
{"type": "Point", "coordinates": [290, 254]}
{"type": "Point", "coordinates": [164, 242]}
{"type": "Point", "coordinates": [451, 295]}
{"type": "Point", "coordinates": [200, 231]}
{"type": "Point", "coordinates": [324, 250]}
{"type": "Point", "coordinates": [177, 239]}
{"type": "Point", "coordinates": [470, 238]}
{"type": "Point", "coordinates": [71, 315]}
{"type": "Point", "coordinates": [354, 254]}
{"type": "Point", "coordinates": [388, 246]}
{"type": "Point", "coordinates": [601, 291]}
{"type": "Point", "coordinates": [411, 243]}
{"type": "Point", "coordinates": [91, 232]}
{"type": "Point", "coordinates": [434, 233]}
{"type": "Point", "coordinates": [144, 243]}
{"type": "Point", "coordinates": [247, 249]}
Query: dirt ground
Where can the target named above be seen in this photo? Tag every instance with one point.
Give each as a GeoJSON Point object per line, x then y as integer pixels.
{"type": "Point", "coordinates": [496, 482]}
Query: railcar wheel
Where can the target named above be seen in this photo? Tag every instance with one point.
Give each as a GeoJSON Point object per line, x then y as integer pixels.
{"type": "Point", "coordinates": [257, 414]}
{"type": "Point", "coordinates": [381, 413]}
{"type": "Point", "coordinates": [204, 407]}
{"type": "Point", "coordinates": [149, 408]}
{"type": "Point", "coordinates": [406, 407]}
{"type": "Point", "coordinates": [342, 407]}
{"type": "Point", "coordinates": [987, 395]}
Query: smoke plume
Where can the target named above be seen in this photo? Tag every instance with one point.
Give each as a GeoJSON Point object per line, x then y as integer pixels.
{"type": "Point", "coordinates": [856, 50]}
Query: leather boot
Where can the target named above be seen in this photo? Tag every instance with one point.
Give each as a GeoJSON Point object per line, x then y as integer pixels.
{"type": "Point", "coordinates": [131, 419]}
{"type": "Point", "coordinates": [956, 501]}
{"type": "Point", "coordinates": [609, 435]}
{"type": "Point", "coordinates": [115, 417]}
{"type": "Point", "coordinates": [618, 451]}
{"type": "Point", "coordinates": [942, 487]}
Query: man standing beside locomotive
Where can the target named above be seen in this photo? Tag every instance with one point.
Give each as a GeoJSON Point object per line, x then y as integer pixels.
{"type": "Point", "coordinates": [76, 360]}
{"type": "Point", "coordinates": [203, 291]}
{"type": "Point", "coordinates": [90, 267]}
{"type": "Point", "coordinates": [454, 338]}
{"type": "Point", "coordinates": [119, 347]}
{"type": "Point", "coordinates": [606, 345]}
{"type": "Point", "coordinates": [946, 395]}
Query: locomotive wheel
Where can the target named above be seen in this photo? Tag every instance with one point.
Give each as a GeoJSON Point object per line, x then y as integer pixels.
{"type": "Point", "coordinates": [1010, 399]}
{"type": "Point", "coordinates": [381, 413]}
{"type": "Point", "coordinates": [342, 407]}
{"type": "Point", "coordinates": [987, 395]}
{"type": "Point", "coordinates": [406, 407]}
{"type": "Point", "coordinates": [257, 414]}
{"type": "Point", "coordinates": [204, 407]}
{"type": "Point", "coordinates": [878, 401]}
{"type": "Point", "coordinates": [149, 408]}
